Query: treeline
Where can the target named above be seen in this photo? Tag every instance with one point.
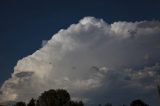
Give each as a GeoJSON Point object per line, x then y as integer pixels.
{"type": "Point", "coordinates": [61, 97]}
{"type": "Point", "coordinates": [137, 102]}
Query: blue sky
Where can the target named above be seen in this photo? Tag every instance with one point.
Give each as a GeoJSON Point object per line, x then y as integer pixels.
{"type": "Point", "coordinates": [25, 23]}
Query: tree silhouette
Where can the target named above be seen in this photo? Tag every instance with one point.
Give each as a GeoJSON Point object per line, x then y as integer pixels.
{"type": "Point", "coordinates": [108, 104]}
{"type": "Point", "coordinates": [74, 103]}
{"type": "Point", "coordinates": [20, 104]}
{"type": "Point", "coordinates": [138, 102]}
{"type": "Point", "coordinates": [58, 97]}
{"type": "Point", "coordinates": [31, 102]}
{"type": "Point", "coordinates": [62, 97]}
{"type": "Point", "coordinates": [158, 87]}
{"type": "Point", "coordinates": [48, 98]}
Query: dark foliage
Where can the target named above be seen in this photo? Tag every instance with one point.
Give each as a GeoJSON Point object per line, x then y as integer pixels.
{"type": "Point", "coordinates": [58, 97]}
{"type": "Point", "coordinates": [138, 102]}
{"type": "Point", "coordinates": [158, 87]}
{"type": "Point", "coordinates": [61, 97]}
{"type": "Point", "coordinates": [108, 104]}
{"type": "Point", "coordinates": [20, 104]}
{"type": "Point", "coordinates": [74, 103]}
{"type": "Point", "coordinates": [31, 102]}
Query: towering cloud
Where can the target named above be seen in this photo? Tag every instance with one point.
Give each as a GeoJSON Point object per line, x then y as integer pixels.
{"type": "Point", "coordinates": [94, 61]}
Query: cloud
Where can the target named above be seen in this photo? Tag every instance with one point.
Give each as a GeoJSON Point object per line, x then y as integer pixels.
{"type": "Point", "coordinates": [44, 42]}
{"type": "Point", "coordinates": [93, 60]}
{"type": "Point", "coordinates": [23, 74]}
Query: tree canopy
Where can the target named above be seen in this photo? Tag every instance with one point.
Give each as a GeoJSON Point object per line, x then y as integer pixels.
{"type": "Point", "coordinates": [61, 97]}
{"type": "Point", "coordinates": [138, 102]}
{"type": "Point", "coordinates": [31, 102]}
{"type": "Point", "coordinates": [54, 98]}
{"type": "Point", "coordinates": [20, 104]}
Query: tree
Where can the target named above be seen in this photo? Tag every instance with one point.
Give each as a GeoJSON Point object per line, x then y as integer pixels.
{"type": "Point", "coordinates": [48, 98]}
{"type": "Point", "coordinates": [108, 104]}
{"type": "Point", "coordinates": [53, 98]}
{"type": "Point", "coordinates": [59, 97]}
{"type": "Point", "coordinates": [158, 87]}
{"type": "Point", "coordinates": [74, 103]}
{"type": "Point", "coordinates": [62, 97]}
{"type": "Point", "coordinates": [138, 102]}
{"type": "Point", "coordinates": [20, 104]}
{"type": "Point", "coordinates": [31, 102]}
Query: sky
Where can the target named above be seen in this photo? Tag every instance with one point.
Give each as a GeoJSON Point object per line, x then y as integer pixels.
{"type": "Point", "coordinates": [26, 24]}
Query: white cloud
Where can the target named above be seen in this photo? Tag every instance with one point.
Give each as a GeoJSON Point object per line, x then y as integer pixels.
{"type": "Point", "coordinates": [90, 57]}
{"type": "Point", "coordinates": [44, 42]}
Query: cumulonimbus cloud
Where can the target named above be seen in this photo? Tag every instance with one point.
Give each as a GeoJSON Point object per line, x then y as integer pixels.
{"type": "Point", "coordinates": [92, 60]}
